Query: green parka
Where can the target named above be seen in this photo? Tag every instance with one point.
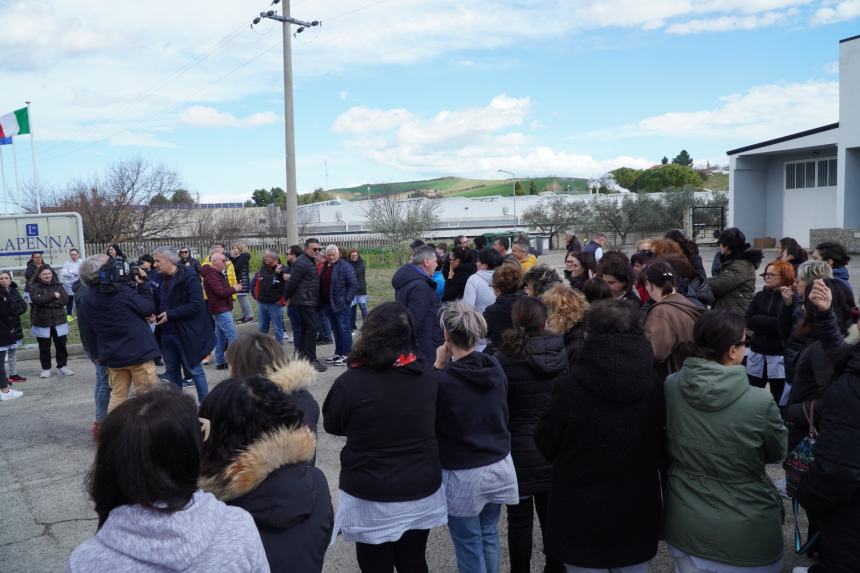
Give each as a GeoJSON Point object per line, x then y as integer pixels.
{"type": "Point", "coordinates": [720, 504]}
{"type": "Point", "coordinates": [734, 285]}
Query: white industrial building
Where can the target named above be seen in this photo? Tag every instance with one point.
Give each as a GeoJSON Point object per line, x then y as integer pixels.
{"type": "Point", "coordinates": [794, 184]}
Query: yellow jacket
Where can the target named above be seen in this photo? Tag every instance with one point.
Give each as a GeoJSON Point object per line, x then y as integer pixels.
{"type": "Point", "coordinates": [231, 274]}
{"type": "Point", "coordinates": [528, 262]}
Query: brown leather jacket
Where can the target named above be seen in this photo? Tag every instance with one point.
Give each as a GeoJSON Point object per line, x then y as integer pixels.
{"type": "Point", "coordinates": [668, 326]}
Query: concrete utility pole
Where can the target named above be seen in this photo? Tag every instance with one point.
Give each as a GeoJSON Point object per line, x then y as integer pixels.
{"type": "Point", "coordinates": [514, 184]}
{"type": "Point", "coordinates": [289, 122]}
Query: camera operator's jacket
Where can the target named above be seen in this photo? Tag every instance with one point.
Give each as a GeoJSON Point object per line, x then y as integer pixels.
{"type": "Point", "coordinates": [114, 327]}
{"type": "Point", "coordinates": [181, 296]}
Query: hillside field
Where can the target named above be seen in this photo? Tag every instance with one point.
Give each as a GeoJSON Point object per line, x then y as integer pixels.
{"type": "Point", "coordinates": [457, 187]}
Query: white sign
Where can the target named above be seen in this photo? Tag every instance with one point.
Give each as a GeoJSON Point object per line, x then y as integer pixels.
{"type": "Point", "coordinates": [52, 234]}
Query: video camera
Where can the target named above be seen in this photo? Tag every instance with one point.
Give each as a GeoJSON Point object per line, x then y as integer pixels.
{"type": "Point", "coordinates": [115, 273]}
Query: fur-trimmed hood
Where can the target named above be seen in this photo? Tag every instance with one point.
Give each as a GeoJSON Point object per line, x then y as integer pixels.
{"type": "Point", "coordinates": [251, 467]}
{"type": "Point", "coordinates": [294, 376]}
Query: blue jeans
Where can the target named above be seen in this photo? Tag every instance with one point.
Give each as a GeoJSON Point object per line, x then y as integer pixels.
{"type": "Point", "coordinates": [476, 540]}
{"type": "Point", "coordinates": [225, 333]}
{"type": "Point", "coordinates": [295, 325]}
{"type": "Point", "coordinates": [341, 330]}
{"type": "Point", "coordinates": [102, 391]}
{"type": "Point", "coordinates": [271, 312]}
{"type": "Point", "coordinates": [175, 359]}
{"type": "Point", "coordinates": [353, 313]}
{"type": "Point", "coordinates": [325, 325]}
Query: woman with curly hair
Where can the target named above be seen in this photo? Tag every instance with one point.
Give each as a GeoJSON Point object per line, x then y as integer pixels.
{"type": "Point", "coordinates": [258, 457]}
{"type": "Point", "coordinates": [538, 279]}
{"type": "Point", "coordinates": [566, 308]}
{"type": "Point", "coordinates": [507, 282]}
{"type": "Point", "coordinates": [690, 249]}
{"type": "Point", "coordinates": [391, 491]}
{"type": "Point", "coordinates": [533, 361]}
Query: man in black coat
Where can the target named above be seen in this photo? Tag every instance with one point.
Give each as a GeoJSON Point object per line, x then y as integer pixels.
{"type": "Point", "coordinates": [185, 328]}
{"type": "Point", "coordinates": [415, 289]}
{"type": "Point", "coordinates": [302, 293]}
{"type": "Point", "coordinates": [114, 327]}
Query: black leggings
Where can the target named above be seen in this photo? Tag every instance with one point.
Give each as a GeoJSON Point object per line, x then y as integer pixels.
{"type": "Point", "coordinates": [520, 525]}
{"type": "Point", "coordinates": [407, 554]}
{"type": "Point", "coordinates": [45, 350]}
{"type": "Point", "coordinates": [4, 383]}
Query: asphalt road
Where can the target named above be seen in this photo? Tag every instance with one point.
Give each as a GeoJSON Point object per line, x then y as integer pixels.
{"type": "Point", "coordinates": [47, 449]}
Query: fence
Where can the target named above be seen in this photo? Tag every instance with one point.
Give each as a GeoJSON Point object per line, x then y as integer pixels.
{"type": "Point", "coordinates": [201, 248]}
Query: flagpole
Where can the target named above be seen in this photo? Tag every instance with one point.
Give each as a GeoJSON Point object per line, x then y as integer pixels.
{"type": "Point", "coordinates": [33, 151]}
{"type": "Point", "coordinates": [3, 179]}
{"type": "Point", "coordinates": [15, 163]}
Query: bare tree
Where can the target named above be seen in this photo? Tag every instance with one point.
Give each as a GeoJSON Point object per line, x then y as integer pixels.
{"type": "Point", "coordinates": [223, 224]}
{"type": "Point", "coordinates": [552, 216]}
{"type": "Point", "coordinates": [119, 205]}
{"type": "Point", "coordinates": [401, 220]}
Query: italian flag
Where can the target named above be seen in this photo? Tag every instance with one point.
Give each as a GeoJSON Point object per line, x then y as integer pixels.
{"type": "Point", "coordinates": [15, 123]}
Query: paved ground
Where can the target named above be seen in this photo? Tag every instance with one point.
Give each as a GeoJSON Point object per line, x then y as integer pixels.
{"type": "Point", "coordinates": [47, 449]}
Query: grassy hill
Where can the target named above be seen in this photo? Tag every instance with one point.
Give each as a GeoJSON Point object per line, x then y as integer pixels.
{"type": "Point", "coordinates": [716, 182]}
{"type": "Point", "coordinates": [457, 187]}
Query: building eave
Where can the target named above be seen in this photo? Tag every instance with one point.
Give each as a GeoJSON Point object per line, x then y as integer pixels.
{"type": "Point", "coordinates": [857, 37]}
{"type": "Point", "coordinates": [783, 139]}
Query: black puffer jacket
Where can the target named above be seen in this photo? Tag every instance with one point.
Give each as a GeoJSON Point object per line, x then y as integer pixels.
{"type": "Point", "coordinates": [360, 275]}
{"type": "Point", "coordinates": [830, 491]}
{"type": "Point", "coordinates": [303, 288]}
{"type": "Point", "coordinates": [287, 497]}
{"type": "Point", "coordinates": [574, 339]}
{"type": "Point", "coordinates": [603, 433]}
{"type": "Point", "coordinates": [48, 310]}
{"type": "Point", "coordinates": [12, 306]}
{"type": "Point", "coordinates": [530, 385]}
{"type": "Point", "coordinates": [498, 317]}
{"type": "Point", "coordinates": [240, 265]}
{"type": "Point", "coordinates": [762, 320]}
{"type": "Point", "coordinates": [456, 286]}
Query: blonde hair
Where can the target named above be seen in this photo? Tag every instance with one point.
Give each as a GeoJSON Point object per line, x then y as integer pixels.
{"type": "Point", "coordinates": [240, 246]}
{"type": "Point", "coordinates": [464, 324]}
{"type": "Point", "coordinates": [566, 307]}
{"type": "Point", "coordinates": [643, 245]}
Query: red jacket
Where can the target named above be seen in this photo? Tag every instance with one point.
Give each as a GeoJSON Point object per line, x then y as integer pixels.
{"type": "Point", "coordinates": [219, 294]}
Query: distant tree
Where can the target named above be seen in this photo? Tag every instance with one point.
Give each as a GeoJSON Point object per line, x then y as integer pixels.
{"type": "Point", "coordinates": [638, 212]}
{"type": "Point", "coordinates": [553, 187]}
{"type": "Point", "coordinates": [683, 158]}
{"type": "Point", "coordinates": [279, 197]}
{"type": "Point", "coordinates": [664, 161]}
{"type": "Point", "coordinates": [553, 215]}
{"type": "Point", "coordinates": [182, 197]}
{"type": "Point", "coordinates": [626, 177]}
{"type": "Point", "coordinates": [519, 189]}
{"type": "Point", "coordinates": [401, 220]}
{"type": "Point", "coordinates": [261, 197]}
{"type": "Point", "coordinates": [659, 178]}
{"type": "Point", "coordinates": [250, 203]}
{"type": "Point", "coordinates": [160, 199]}
{"type": "Point", "coordinates": [533, 190]}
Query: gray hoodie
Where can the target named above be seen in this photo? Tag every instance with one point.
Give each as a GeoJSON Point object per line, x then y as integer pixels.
{"type": "Point", "coordinates": [479, 292]}
{"type": "Point", "coordinates": [208, 535]}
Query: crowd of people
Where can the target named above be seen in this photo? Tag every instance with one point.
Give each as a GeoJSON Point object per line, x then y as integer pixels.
{"type": "Point", "coordinates": [623, 401]}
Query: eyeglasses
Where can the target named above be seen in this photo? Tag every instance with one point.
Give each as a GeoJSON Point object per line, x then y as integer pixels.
{"type": "Point", "coordinates": [769, 275]}
{"type": "Point", "coordinates": [316, 249]}
{"type": "Point", "coordinates": [205, 427]}
{"type": "Point", "coordinates": [183, 252]}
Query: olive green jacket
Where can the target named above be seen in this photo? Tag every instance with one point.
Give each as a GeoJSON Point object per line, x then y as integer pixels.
{"type": "Point", "coordinates": [720, 504]}
{"type": "Point", "coordinates": [734, 286]}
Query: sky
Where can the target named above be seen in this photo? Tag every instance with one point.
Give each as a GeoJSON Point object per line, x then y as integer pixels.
{"type": "Point", "coordinates": [392, 90]}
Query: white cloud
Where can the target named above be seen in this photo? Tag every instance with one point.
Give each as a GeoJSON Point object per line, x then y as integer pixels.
{"type": "Point", "coordinates": [760, 113]}
{"type": "Point", "coordinates": [475, 141]}
{"type": "Point", "coordinates": [202, 116]}
{"type": "Point", "coordinates": [846, 10]}
{"type": "Point", "coordinates": [728, 23]}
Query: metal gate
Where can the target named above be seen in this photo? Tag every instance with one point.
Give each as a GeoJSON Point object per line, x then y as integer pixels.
{"type": "Point", "coordinates": [708, 223]}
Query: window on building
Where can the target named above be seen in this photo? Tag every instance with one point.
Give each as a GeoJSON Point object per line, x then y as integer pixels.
{"type": "Point", "coordinates": [810, 174]}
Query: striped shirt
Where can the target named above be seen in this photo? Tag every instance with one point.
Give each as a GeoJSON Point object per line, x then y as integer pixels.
{"type": "Point", "coordinates": [376, 522]}
{"type": "Point", "coordinates": [468, 491]}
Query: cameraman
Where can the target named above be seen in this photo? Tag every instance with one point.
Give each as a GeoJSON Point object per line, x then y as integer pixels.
{"type": "Point", "coordinates": [114, 315]}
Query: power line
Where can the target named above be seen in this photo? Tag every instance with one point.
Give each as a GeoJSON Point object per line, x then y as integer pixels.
{"type": "Point", "coordinates": [134, 100]}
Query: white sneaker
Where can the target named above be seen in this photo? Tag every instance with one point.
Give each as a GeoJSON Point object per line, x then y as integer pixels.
{"type": "Point", "coordinates": [10, 395]}
{"type": "Point", "coordinates": [45, 374]}
{"type": "Point", "coordinates": [66, 371]}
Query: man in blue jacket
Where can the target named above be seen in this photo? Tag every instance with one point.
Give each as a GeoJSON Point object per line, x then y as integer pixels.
{"type": "Point", "coordinates": [185, 328]}
{"type": "Point", "coordinates": [114, 327]}
{"type": "Point", "coordinates": [415, 289]}
{"type": "Point", "coordinates": [338, 286]}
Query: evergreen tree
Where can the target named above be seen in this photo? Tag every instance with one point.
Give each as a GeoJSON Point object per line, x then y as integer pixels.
{"type": "Point", "coordinates": [533, 188]}
{"type": "Point", "coordinates": [683, 158]}
{"type": "Point", "coordinates": [664, 161]}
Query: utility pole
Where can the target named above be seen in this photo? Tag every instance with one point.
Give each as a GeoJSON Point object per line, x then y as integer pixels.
{"type": "Point", "coordinates": [289, 122]}
{"type": "Point", "coordinates": [514, 184]}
